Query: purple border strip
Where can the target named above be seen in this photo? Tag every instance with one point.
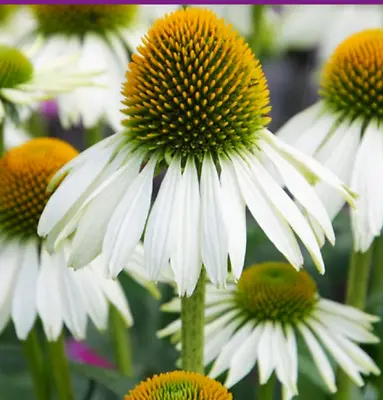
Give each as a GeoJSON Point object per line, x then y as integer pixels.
{"type": "Point", "coordinates": [153, 2]}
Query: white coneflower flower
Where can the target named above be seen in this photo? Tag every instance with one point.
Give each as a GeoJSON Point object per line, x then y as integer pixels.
{"type": "Point", "coordinates": [33, 282]}
{"type": "Point", "coordinates": [25, 79]}
{"type": "Point", "coordinates": [343, 131]}
{"type": "Point", "coordinates": [325, 26]}
{"type": "Point", "coordinates": [102, 34]}
{"type": "Point", "coordinates": [179, 385]}
{"type": "Point", "coordinates": [196, 101]}
{"type": "Point", "coordinates": [258, 322]}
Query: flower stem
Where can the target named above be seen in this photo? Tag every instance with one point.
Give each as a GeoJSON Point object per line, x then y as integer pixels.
{"type": "Point", "coordinates": [376, 291]}
{"type": "Point", "coordinates": [121, 342]}
{"type": "Point", "coordinates": [60, 369]}
{"type": "Point", "coordinates": [36, 365]}
{"type": "Point", "coordinates": [358, 277]}
{"type": "Point", "coordinates": [256, 41]}
{"type": "Point", "coordinates": [266, 391]}
{"type": "Point", "coordinates": [377, 271]}
{"type": "Point", "coordinates": [357, 285]}
{"type": "Point", "coordinates": [193, 320]}
{"type": "Point", "coordinates": [93, 135]}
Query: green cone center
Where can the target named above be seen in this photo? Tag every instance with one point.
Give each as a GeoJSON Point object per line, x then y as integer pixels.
{"type": "Point", "coordinates": [276, 291]}
{"type": "Point", "coordinates": [14, 66]}
{"type": "Point", "coordinates": [81, 19]}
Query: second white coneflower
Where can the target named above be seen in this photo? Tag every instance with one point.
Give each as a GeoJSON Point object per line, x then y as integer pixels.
{"type": "Point", "coordinates": [343, 131]}
{"type": "Point", "coordinates": [261, 321]}
{"type": "Point", "coordinates": [196, 102]}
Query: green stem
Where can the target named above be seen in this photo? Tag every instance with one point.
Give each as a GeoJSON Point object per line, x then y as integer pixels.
{"type": "Point", "coordinates": [258, 21]}
{"type": "Point", "coordinates": [193, 321]}
{"type": "Point", "coordinates": [36, 365]}
{"type": "Point", "coordinates": [93, 135]}
{"type": "Point", "coordinates": [266, 391]}
{"type": "Point", "coordinates": [376, 290]}
{"type": "Point", "coordinates": [121, 342]}
{"type": "Point", "coordinates": [357, 286]}
{"type": "Point", "coordinates": [60, 369]}
{"type": "Point", "coordinates": [358, 277]}
{"type": "Point", "coordinates": [377, 271]}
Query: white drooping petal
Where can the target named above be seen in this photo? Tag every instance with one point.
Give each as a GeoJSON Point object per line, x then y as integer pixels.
{"type": "Point", "coordinates": [292, 130]}
{"type": "Point", "coordinates": [347, 312]}
{"type": "Point", "coordinates": [98, 209]}
{"type": "Point", "coordinates": [301, 190]}
{"type": "Point", "coordinates": [338, 155]}
{"type": "Point", "coordinates": [266, 360]}
{"type": "Point", "coordinates": [114, 293]}
{"type": "Point", "coordinates": [71, 190]}
{"type": "Point", "coordinates": [93, 297]}
{"type": "Point", "coordinates": [343, 359]}
{"type": "Point", "coordinates": [244, 358]}
{"type": "Point", "coordinates": [186, 254]}
{"type": "Point", "coordinates": [293, 351]}
{"type": "Point", "coordinates": [307, 165]}
{"type": "Point", "coordinates": [158, 236]}
{"type": "Point", "coordinates": [48, 298]}
{"type": "Point", "coordinates": [234, 209]}
{"type": "Point", "coordinates": [346, 327]}
{"type": "Point", "coordinates": [367, 218]}
{"type": "Point", "coordinates": [170, 329]}
{"type": "Point", "coordinates": [214, 238]}
{"type": "Point", "coordinates": [321, 361]}
{"type": "Point", "coordinates": [223, 360]}
{"type": "Point", "coordinates": [128, 221]}
{"type": "Point", "coordinates": [72, 303]}
{"type": "Point", "coordinates": [214, 342]}
{"type": "Point", "coordinates": [274, 226]}
{"type": "Point", "coordinates": [310, 140]}
{"type": "Point", "coordinates": [24, 293]}
{"type": "Point", "coordinates": [282, 359]}
{"type": "Point", "coordinates": [362, 359]}
{"type": "Point", "coordinates": [10, 262]}
{"type": "Point", "coordinates": [283, 203]}
{"type": "Point", "coordinates": [212, 327]}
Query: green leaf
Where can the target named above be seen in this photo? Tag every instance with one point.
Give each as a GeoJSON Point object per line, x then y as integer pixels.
{"type": "Point", "coordinates": [16, 386]}
{"type": "Point", "coordinates": [113, 380]}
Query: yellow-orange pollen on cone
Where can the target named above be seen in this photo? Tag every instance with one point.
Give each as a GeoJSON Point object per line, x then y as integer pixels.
{"type": "Point", "coordinates": [352, 79]}
{"type": "Point", "coordinates": [194, 86]}
{"type": "Point", "coordinates": [25, 172]}
{"type": "Point", "coordinates": [275, 291]}
{"type": "Point", "coordinates": [179, 385]}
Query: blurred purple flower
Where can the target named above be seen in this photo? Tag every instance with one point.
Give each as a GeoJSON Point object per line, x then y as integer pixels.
{"type": "Point", "coordinates": [49, 108]}
{"type": "Point", "coordinates": [81, 352]}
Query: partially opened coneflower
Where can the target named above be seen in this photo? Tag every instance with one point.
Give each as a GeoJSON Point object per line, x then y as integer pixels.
{"type": "Point", "coordinates": [179, 385]}
{"type": "Point", "coordinates": [343, 131]}
{"type": "Point", "coordinates": [258, 322]}
{"type": "Point", "coordinates": [26, 77]}
{"type": "Point", "coordinates": [103, 34]}
{"type": "Point", "coordinates": [196, 102]}
{"type": "Point", "coordinates": [33, 282]}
